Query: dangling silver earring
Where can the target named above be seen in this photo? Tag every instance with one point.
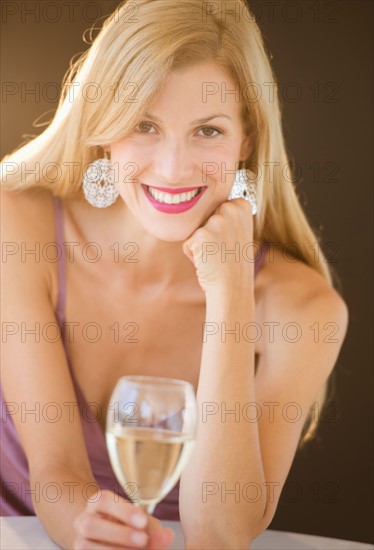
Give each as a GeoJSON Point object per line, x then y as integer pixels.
{"type": "Point", "coordinates": [98, 183]}
{"type": "Point", "coordinates": [245, 189]}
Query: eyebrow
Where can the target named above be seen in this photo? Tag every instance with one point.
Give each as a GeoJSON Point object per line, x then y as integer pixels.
{"type": "Point", "coordinates": [197, 121]}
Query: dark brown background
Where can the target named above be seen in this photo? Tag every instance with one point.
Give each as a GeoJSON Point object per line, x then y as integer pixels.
{"type": "Point", "coordinates": [323, 51]}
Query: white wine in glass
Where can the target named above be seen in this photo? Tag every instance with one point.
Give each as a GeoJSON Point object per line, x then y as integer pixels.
{"type": "Point", "coordinates": [150, 434]}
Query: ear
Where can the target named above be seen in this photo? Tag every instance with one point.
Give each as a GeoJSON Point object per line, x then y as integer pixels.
{"type": "Point", "coordinates": [246, 147]}
{"type": "Point", "coordinates": [107, 151]}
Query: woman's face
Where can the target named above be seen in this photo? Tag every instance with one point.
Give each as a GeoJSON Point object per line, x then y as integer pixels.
{"type": "Point", "coordinates": [192, 137]}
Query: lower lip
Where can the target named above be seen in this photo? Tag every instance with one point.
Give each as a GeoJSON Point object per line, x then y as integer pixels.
{"type": "Point", "coordinates": [173, 208]}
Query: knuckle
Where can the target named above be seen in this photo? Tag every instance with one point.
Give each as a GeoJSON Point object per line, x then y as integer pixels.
{"type": "Point", "coordinates": [94, 500]}
{"type": "Point", "coordinates": [244, 204]}
{"type": "Point", "coordinates": [225, 207]}
{"type": "Point", "coordinates": [105, 496]}
{"type": "Point", "coordinates": [86, 525]}
{"type": "Point", "coordinates": [128, 508]}
{"type": "Point", "coordinates": [216, 220]}
{"type": "Point", "coordinates": [201, 234]}
{"type": "Point", "coordinates": [78, 521]}
{"type": "Point", "coordinates": [91, 506]}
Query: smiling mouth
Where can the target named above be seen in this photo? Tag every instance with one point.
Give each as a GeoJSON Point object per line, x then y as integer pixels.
{"type": "Point", "coordinates": [164, 197]}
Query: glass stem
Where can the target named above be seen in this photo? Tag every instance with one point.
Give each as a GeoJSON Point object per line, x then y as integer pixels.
{"type": "Point", "coordinates": [147, 508]}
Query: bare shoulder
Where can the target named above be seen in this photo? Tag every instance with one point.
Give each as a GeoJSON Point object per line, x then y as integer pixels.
{"type": "Point", "coordinates": [304, 326]}
{"type": "Point", "coordinates": [27, 231]}
{"type": "Point", "coordinates": [28, 211]}
{"type": "Point", "coordinates": [288, 289]}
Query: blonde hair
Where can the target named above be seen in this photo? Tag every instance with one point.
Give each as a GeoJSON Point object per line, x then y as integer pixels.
{"type": "Point", "coordinates": [120, 76]}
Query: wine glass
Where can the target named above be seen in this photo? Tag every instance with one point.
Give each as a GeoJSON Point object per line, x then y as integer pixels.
{"type": "Point", "coordinates": [150, 433]}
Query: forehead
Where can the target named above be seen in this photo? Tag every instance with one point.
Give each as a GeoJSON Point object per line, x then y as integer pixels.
{"type": "Point", "coordinates": [202, 88]}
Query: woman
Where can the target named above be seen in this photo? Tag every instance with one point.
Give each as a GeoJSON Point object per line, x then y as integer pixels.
{"type": "Point", "coordinates": [154, 271]}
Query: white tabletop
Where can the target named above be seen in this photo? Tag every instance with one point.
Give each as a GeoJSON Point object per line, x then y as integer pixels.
{"type": "Point", "coordinates": [27, 533]}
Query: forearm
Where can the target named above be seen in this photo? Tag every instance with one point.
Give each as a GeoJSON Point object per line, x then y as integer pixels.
{"type": "Point", "coordinates": [219, 484]}
{"type": "Point", "coordinates": [63, 495]}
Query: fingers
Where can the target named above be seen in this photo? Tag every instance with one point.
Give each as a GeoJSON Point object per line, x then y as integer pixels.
{"type": "Point", "coordinates": [96, 534]}
{"type": "Point", "coordinates": [84, 544]}
{"type": "Point", "coordinates": [123, 511]}
{"type": "Point", "coordinates": [159, 540]}
{"type": "Point", "coordinates": [95, 528]}
{"type": "Point", "coordinates": [110, 523]}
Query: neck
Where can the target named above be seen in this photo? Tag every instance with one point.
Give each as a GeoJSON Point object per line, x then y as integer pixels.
{"type": "Point", "coordinates": [160, 263]}
{"type": "Point", "coordinates": [145, 260]}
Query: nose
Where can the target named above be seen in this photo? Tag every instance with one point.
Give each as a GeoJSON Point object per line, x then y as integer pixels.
{"type": "Point", "coordinates": [173, 164]}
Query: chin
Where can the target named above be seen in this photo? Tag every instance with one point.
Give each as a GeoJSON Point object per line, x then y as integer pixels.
{"type": "Point", "coordinates": [171, 232]}
{"type": "Point", "coordinates": [171, 237]}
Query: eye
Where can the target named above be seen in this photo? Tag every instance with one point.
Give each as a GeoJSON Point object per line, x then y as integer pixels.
{"type": "Point", "coordinates": [144, 127]}
{"type": "Point", "coordinates": [209, 131]}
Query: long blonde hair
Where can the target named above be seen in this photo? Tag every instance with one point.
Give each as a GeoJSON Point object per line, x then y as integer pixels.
{"type": "Point", "coordinates": [109, 88]}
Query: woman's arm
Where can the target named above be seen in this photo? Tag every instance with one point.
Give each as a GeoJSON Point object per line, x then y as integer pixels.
{"type": "Point", "coordinates": [34, 370]}
{"type": "Point", "coordinates": [34, 374]}
{"type": "Point", "coordinates": [227, 454]}
{"type": "Point", "coordinates": [246, 442]}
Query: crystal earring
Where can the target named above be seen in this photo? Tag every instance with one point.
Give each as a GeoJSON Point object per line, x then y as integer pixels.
{"type": "Point", "coordinates": [98, 183]}
{"type": "Point", "coordinates": [245, 189]}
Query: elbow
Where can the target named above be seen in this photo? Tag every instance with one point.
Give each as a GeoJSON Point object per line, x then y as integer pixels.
{"type": "Point", "coordinates": [258, 528]}
{"type": "Point", "coordinates": [231, 531]}
{"type": "Point", "coordinates": [258, 522]}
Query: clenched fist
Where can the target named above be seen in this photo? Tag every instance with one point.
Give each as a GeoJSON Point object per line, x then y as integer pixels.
{"type": "Point", "coordinates": [222, 250]}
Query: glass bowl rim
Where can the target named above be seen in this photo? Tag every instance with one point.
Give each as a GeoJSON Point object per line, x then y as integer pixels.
{"type": "Point", "coordinates": [163, 382]}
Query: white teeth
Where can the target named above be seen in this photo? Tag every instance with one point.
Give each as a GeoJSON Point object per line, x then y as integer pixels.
{"type": "Point", "coordinates": [169, 198]}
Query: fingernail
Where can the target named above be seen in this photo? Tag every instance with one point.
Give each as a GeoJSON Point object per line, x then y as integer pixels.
{"type": "Point", "coordinates": [139, 521]}
{"type": "Point", "coordinates": [139, 538]}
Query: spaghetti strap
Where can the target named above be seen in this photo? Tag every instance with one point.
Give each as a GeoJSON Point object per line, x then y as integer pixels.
{"type": "Point", "coordinates": [61, 261]}
{"type": "Point", "coordinates": [62, 290]}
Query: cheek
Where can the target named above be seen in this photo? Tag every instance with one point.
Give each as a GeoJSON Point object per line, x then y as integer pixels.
{"type": "Point", "coordinates": [227, 167]}
{"type": "Point", "coordinates": [220, 155]}
{"type": "Point", "coordinates": [128, 162]}
{"type": "Point", "coordinates": [126, 153]}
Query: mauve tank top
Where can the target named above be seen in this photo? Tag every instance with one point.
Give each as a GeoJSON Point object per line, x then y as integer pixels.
{"type": "Point", "coordinates": [15, 497]}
